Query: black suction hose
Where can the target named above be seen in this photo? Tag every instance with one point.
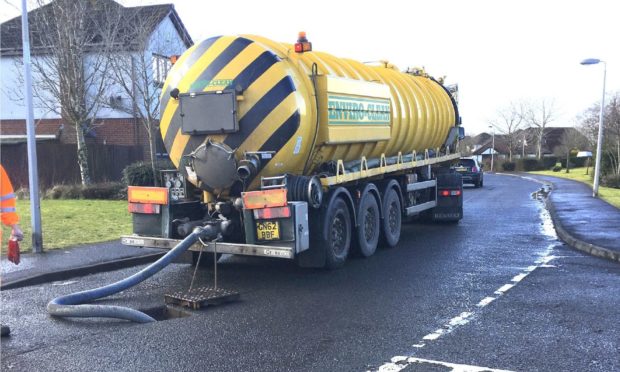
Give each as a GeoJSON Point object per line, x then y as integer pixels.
{"type": "Point", "coordinates": [69, 305]}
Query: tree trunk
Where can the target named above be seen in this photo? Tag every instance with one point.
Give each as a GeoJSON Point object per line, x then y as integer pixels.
{"type": "Point", "coordinates": [567, 160]}
{"type": "Point", "coordinates": [618, 157]}
{"type": "Point", "coordinates": [82, 155]}
{"type": "Point", "coordinates": [152, 153]}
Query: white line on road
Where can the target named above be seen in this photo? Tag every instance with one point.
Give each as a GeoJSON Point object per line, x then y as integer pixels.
{"type": "Point", "coordinates": [503, 289]}
{"type": "Point", "coordinates": [485, 301]}
{"type": "Point", "coordinates": [399, 362]}
{"type": "Point", "coordinates": [64, 283]}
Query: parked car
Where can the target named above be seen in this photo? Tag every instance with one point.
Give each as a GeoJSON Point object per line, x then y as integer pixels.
{"type": "Point", "coordinates": [471, 171]}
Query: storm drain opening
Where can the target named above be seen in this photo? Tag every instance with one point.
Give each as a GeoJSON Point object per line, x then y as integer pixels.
{"type": "Point", "coordinates": [166, 312]}
{"type": "Point", "coordinates": [541, 194]}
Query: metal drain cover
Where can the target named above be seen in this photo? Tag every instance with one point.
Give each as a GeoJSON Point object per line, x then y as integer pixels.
{"type": "Point", "coordinates": [201, 297]}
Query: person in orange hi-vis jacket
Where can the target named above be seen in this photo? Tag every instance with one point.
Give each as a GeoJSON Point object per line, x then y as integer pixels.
{"type": "Point", "coordinates": [9, 217]}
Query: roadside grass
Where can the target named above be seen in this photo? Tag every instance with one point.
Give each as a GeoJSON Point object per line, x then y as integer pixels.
{"type": "Point", "coordinates": [610, 195]}
{"type": "Point", "coordinates": [67, 223]}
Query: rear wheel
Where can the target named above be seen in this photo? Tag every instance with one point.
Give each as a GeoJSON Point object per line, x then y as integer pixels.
{"type": "Point", "coordinates": [337, 239]}
{"type": "Point", "coordinates": [392, 218]}
{"type": "Point", "coordinates": [369, 224]}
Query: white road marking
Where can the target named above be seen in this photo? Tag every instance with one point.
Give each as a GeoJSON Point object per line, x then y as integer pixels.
{"type": "Point", "coordinates": [503, 289]}
{"type": "Point", "coordinates": [531, 268]}
{"type": "Point", "coordinates": [399, 362]}
{"type": "Point", "coordinates": [64, 283]}
{"type": "Point", "coordinates": [485, 301]}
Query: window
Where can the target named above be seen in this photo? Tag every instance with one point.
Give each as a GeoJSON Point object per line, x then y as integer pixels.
{"type": "Point", "coordinates": [161, 66]}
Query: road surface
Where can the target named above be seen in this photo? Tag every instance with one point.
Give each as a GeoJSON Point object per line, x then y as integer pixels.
{"type": "Point", "coordinates": [497, 291]}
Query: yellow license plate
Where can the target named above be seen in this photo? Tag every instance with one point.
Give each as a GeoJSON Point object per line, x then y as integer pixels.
{"type": "Point", "coordinates": [461, 169]}
{"type": "Point", "coordinates": [268, 230]}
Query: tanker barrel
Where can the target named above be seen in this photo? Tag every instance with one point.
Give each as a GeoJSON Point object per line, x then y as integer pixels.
{"type": "Point", "coordinates": [249, 95]}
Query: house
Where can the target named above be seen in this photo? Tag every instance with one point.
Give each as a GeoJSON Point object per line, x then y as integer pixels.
{"type": "Point", "coordinates": [116, 119]}
{"type": "Point", "coordinates": [524, 143]}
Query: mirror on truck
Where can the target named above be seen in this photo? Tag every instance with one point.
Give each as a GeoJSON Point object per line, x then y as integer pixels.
{"type": "Point", "coordinates": [461, 133]}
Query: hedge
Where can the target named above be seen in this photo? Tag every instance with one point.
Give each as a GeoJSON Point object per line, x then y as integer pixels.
{"type": "Point", "coordinates": [141, 173]}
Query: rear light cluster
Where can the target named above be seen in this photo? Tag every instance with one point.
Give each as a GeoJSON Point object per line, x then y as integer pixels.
{"type": "Point", "coordinates": [474, 169]}
{"type": "Point", "coordinates": [145, 208]}
{"type": "Point", "coordinates": [271, 213]}
{"type": "Point", "coordinates": [450, 193]}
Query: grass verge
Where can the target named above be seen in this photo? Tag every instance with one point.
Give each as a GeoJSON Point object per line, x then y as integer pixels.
{"type": "Point", "coordinates": [610, 195]}
{"type": "Point", "coordinates": [67, 223]}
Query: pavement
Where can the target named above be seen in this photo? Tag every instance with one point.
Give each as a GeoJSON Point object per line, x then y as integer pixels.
{"type": "Point", "coordinates": [583, 222]}
{"type": "Point", "coordinates": [61, 264]}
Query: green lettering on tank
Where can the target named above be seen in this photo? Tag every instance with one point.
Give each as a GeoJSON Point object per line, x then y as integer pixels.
{"type": "Point", "coordinates": [204, 84]}
{"type": "Point", "coordinates": [351, 110]}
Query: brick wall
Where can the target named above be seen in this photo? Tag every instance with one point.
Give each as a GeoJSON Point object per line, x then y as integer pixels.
{"type": "Point", "coordinates": [44, 126]}
{"type": "Point", "coordinates": [126, 132]}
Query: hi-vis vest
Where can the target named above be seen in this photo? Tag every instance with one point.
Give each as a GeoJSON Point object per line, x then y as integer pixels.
{"type": "Point", "coordinates": [7, 199]}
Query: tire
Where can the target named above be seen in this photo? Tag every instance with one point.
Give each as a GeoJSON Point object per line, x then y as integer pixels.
{"type": "Point", "coordinates": [206, 260]}
{"type": "Point", "coordinates": [368, 231]}
{"type": "Point", "coordinates": [336, 237]}
{"type": "Point", "coordinates": [481, 182]}
{"type": "Point", "coordinates": [392, 219]}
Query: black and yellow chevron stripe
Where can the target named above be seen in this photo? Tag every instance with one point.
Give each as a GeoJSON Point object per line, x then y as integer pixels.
{"type": "Point", "coordinates": [268, 114]}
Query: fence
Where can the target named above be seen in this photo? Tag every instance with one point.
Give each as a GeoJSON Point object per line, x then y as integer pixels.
{"type": "Point", "coordinates": [57, 163]}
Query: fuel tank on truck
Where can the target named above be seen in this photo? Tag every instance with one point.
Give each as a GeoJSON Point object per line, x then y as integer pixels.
{"type": "Point", "coordinates": [238, 108]}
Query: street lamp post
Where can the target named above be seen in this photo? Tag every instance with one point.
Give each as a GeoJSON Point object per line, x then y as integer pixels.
{"type": "Point", "coordinates": [492, 146]}
{"type": "Point", "coordinates": [33, 176]}
{"type": "Point", "coordinates": [599, 142]}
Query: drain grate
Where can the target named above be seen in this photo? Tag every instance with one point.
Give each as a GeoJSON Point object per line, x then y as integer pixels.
{"type": "Point", "coordinates": [201, 297]}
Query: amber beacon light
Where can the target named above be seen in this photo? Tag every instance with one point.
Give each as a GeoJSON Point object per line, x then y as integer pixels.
{"type": "Point", "coordinates": [302, 44]}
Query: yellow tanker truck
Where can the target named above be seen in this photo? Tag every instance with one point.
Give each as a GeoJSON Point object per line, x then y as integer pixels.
{"type": "Point", "coordinates": [286, 152]}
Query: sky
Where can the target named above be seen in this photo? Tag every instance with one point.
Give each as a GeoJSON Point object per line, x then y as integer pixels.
{"type": "Point", "coordinates": [498, 52]}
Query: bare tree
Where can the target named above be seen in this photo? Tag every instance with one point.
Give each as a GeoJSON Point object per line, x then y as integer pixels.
{"type": "Point", "coordinates": [538, 115]}
{"type": "Point", "coordinates": [611, 132]}
{"type": "Point", "coordinates": [571, 140]}
{"type": "Point", "coordinates": [509, 120]}
{"type": "Point", "coordinates": [524, 138]}
{"type": "Point", "coordinates": [71, 41]}
{"type": "Point", "coordinates": [612, 137]}
{"type": "Point", "coordinates": [139, 69]}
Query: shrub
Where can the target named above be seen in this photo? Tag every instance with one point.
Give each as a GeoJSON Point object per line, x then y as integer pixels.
{"type": "Point", "coordinates": [22, 193]}
{"type": "Point", "coordinates": [64, 192]}
{"type": "Point", "coordinates": [107, 191]}
{"type": "Point", "coordinates": [140, 173]}
{"type": "Point", "coordinates": [549, 161]}
{"type": "Point", "coordinates": [529, 164]}
{"type": "Point", "coordinates": [611, 180]}
{"type": "Point", "coordinates": [573, 162]}
{"type": "Point", "coordinates": [509, 166]}
{"type": "Point", "coordinates": [557, 168]}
